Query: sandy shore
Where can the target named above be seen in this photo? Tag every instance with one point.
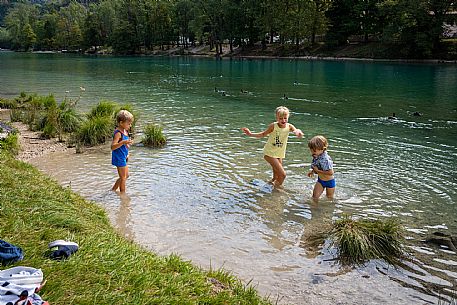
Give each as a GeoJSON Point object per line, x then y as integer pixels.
{"type": "Point", "coordinates": [31, 143]}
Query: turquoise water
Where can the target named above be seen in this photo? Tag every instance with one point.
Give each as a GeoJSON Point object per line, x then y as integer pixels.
{"type": "Point", "coordinates": [203, 197]}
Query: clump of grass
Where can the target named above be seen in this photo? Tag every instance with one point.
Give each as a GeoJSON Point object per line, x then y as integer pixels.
{"type": "Point", "coordinates": [7, 103]}
{"type": "Point", "coordinates": [358, 241]}
{"type": "Point", "coordinates": [95, 131]}
{"type": "Point", "coordinates": [10, 144]}
{"type": "Point", "coordinates": [99, 125]}
{"type": "Point", "coordinates": [103, 109]}
{"type": "Point", "coordinates": [153, 136]}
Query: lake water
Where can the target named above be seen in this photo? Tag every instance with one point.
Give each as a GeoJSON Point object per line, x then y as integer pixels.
{"type": "Point", "coordinates": [202, 196]}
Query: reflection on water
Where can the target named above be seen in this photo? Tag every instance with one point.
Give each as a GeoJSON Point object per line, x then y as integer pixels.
{"type": "Point", "coordinates": [203, 195]}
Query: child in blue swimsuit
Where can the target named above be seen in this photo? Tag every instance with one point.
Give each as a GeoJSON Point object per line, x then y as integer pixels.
{"type": "Point", "coordinates": [120, 148]}
{"type": "Point", "coordinates": [322, 165]}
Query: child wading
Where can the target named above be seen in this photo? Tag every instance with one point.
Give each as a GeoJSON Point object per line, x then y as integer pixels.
{"type": "Point", "coordinates": [120, 148]}
{"type": "Point", "coordinates": [322, 165]}
{"type": "Point", "coordinates": [275, 148]}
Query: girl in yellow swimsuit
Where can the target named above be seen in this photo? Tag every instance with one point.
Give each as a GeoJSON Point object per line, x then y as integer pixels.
{"type": "Point", "coordinates": [275, 149]}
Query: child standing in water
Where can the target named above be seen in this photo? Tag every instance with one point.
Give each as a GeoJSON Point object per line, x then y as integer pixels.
{"type": "Point", "coordinates": [322, 165]}
{"type": "Point", "coordinates": [120, 148]}
{"type": "Point", "coordinates": [275, 148]}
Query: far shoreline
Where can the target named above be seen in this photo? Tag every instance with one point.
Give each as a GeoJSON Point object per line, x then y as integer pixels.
{"type": "Point", "coordinates": [237, 56]}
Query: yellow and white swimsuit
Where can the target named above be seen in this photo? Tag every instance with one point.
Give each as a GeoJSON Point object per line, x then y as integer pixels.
{"type": "Point", "coordinates": [277, 142]}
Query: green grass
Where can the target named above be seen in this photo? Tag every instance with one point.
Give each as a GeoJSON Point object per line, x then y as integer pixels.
{"type": "Point", "coordinates": [107, 269]}
{"type": "Point", "coordinates": [153, 136]}
{"type": "Point", "coordinates": [358, 241]}
{"type": "Point", "coordinates": [10, 144]}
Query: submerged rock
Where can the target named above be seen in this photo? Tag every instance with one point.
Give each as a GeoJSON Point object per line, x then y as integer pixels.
{"type": "Point", "coordinates": [443, 239]}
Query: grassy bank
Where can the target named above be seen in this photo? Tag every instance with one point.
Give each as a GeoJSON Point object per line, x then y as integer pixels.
{"type": "Point", "coordinates": [108, 269]}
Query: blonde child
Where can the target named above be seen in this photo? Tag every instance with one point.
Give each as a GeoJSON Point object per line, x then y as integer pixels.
{"type": "Point", "coordinates": [322, 165]}
{"type": "Point", "coordinates": [275, 148]}
{"type": "Point", "coordinates": [120, 148]}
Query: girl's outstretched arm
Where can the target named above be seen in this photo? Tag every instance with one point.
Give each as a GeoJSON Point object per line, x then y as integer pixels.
{"type": "Point", "coordinates": [258, 134]}
{"type": "Point", "coordinates": [296, 131]}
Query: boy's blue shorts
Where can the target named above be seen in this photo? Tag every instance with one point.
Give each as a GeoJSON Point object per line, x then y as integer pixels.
{"type": "Point", "coordinates": [327, 184]}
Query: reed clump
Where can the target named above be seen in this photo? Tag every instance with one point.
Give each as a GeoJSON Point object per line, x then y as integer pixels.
{"type": "Point", "coordinates": [153, 136]}
{"type": "Point", "coordinates": [358, 241]}
{"type": "Point", "coordinates": [99, 124]}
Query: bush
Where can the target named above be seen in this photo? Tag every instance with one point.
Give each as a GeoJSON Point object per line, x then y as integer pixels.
{"type": "Point", "coordinates": [95, 131]}
{"type": "Point", "coordinates": [358, 241]}
{"type": "Point", "coordinates": [10, 144]}
{"type": "Point", "coordinates": [103, 109]}
{"type": "Point", "coordinates": [7, 104]}
{"type": "Point", "coordinates": [153, 136]}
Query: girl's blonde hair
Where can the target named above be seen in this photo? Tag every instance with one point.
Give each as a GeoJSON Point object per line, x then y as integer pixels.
{"type": "Point", "coordinates": [282, 111]}
{"type": "Point", "coordinates": [318, 142]}
{"type": "Point", "coordinates": [123, 116]}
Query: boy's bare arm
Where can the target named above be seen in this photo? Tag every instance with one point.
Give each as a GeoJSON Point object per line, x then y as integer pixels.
{"type": "Point", "coordinates": [322, 172]}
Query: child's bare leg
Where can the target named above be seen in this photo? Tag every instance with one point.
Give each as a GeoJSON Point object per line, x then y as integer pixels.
{"type": "Point", "coordinates": [279, 174]}
{"type": "Point", "coordinates": [318, 190]}
{"type": "Point", "coordinates": [116, 184]}
{"type": "Point", "coordinates": [123, 175]}
{"type": "Point", "coordinates": [329, 192]}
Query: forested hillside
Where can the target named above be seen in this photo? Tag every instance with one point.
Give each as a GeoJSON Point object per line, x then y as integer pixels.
{"type": "Point", "coordinates": [399, 28]}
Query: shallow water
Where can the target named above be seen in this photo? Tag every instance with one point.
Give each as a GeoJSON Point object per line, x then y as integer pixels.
{"type": "Point", "coordinates": [203, 195]}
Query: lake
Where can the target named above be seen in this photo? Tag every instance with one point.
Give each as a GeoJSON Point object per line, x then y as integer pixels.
{"type": "Point", "coordinates": [203, 195]}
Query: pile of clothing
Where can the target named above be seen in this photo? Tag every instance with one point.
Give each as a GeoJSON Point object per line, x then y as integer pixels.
{"type": "Point", "coordinates": [20, 285]}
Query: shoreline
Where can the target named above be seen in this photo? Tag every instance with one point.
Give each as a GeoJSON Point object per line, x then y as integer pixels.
{"type": "Point", "coordinates": [176, 52]}
{"type": "Point", "coordinates": [32, 145]}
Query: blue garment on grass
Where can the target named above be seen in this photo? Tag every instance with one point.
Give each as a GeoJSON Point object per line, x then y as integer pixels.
{"type": "Point", "coordinates": [9, 253]}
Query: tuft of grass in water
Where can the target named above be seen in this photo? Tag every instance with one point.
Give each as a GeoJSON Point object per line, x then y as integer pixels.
{"type": "Point", "coordinates": [358, 241]}
{"type": "Point", "coordinates": [107, 269]}
{"type": "Point", "coordinates": [153, 136]}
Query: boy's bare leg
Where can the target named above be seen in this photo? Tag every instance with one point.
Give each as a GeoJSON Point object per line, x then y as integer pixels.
{"type": "Point", "coordinates": [330, 192]}
{"type": "Point", "coordinates": [317, 191]}
{"type": "Point", "coordinates": [278, 171]}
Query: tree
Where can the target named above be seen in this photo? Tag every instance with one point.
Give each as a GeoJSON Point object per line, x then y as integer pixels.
{"type": "Point", "coordinates": [19, 22]}
{"type": "Point", "coordinates": [71, 20]}
{"type": "Point", "coordinates": [416, 25]}
{"type": "Point", "coordinates": [184, 13]}
{"type": "Point", "coordinates": [343, 21]}
{"type": "Point", "coordinates": [28, 37]}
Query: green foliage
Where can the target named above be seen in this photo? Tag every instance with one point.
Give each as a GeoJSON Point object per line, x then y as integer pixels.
{"type": "Point", "coordinates": [10, 144]}
{"type": "Point", "coordinates": [153, 136]}
{"type": "Point", "coordinates": [103, 109]}
{"type": "Point", "coordinates": [95, 130]}
{"type": "Point", "coordinates": [414, 27]}
{"type": "Point", "coordinates": [68, 119]}
{"type": "Point", "coordinates": [358, 241]}
{"type": "Point", "coordinates": [7, 103]}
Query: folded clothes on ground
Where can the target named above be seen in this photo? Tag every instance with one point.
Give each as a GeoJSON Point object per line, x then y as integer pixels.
{"type": "Point", "coordinates": [9, 253]}
{"type": "Point", "coordinates": [18, 285]}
